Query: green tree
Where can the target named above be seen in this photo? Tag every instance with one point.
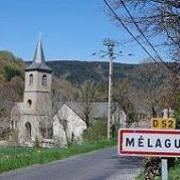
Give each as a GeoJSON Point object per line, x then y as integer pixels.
{"type": "Point", "coordinates": [10, 71]}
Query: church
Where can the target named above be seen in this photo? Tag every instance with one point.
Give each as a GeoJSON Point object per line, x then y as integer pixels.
{"type": "Point", "coordinates": [32, 119]}
{"type": "Point", "coordinates": [31, 116]}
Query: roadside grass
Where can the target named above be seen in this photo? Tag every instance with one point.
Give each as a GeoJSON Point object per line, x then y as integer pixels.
{"type": "Point", "coordinates": [17, 157]}
{"type": "Point", "coordinates": [174, 173]}
{"type": "Point", "coordinates": [140, 176]}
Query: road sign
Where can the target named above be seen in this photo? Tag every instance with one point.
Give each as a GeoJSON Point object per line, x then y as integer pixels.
{"type": "Point", "coordinates": [148, 142]}
{"type": "Point", "coordinates": [163, 123]}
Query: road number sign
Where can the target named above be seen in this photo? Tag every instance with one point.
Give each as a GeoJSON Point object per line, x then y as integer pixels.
{"type": "Point", "coordinates": [148, 142]}
{"type": "Point", "coordinates": [163, 123]}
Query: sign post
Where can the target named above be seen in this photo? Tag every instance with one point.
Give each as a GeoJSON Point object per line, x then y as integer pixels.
{"type": "Point", "coordinates": [164, 169]}
{"type": "Point", "coordinates": [164, 163]}
{"type": "Point", "coordinates": [157, 142]}
{"type": "Point", "coordinates": [164, 123]}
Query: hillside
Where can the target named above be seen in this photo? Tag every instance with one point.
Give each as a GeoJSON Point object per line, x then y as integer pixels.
{"type": "Point", "coordinates": [79, 71]}
{"type": "Point", "coordinates": [10, 66]}
{"type": "Point", "coordinates": [11, 86]}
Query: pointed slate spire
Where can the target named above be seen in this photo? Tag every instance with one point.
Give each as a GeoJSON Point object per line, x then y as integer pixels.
{"type": "Point", "coordinates": [39, 54]}
{"type": "Point", "coordinates": [39, 59]}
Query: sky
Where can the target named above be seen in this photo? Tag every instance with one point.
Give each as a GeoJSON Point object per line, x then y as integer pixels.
{"type": "Point", "coordinates": [71, 30]}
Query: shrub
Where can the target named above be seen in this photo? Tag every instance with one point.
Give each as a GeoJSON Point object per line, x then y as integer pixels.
{"type": "Point", "coordinates": [11, 71]}
{"type": "Point", "coordinates": [97, 131]}
{"type": "Point", "coordinates": [37, 142]}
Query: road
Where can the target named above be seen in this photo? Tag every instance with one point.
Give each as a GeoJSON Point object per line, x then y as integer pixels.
{"type": "Point", "coordinates": [100, 165]}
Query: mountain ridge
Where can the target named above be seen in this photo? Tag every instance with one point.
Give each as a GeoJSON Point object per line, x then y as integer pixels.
{"type": "Point", "coordinates": [78, 71]}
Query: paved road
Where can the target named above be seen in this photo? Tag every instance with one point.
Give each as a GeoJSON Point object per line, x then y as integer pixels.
{"type": "Point", "coordinates": [100, 165]}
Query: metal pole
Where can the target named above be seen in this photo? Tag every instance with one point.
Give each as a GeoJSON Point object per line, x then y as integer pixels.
{"type": "Point", "coordinates": [109, 99]}
{"type": "Point", "coordinates": [164, 169]}
{"type": "Point", "coordinates": [164, 164]}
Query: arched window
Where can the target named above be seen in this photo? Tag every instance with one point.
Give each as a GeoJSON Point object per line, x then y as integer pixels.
{"type": "Point", "coordinates": [28, 131]}
{"type": "Point", "coordinates": [15, 124]}
{"type": "Point", "coordinates": [12, 125]}
{"type": "Point", "coordinates": [44, 80]}
{"type": "Point", "coordinates": [29, 101]}
{"type": "Point", "coordinates": [30, 79]}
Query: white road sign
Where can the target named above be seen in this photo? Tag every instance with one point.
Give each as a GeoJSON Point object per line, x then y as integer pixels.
{"type": "Point", "coordinates": [148, 142]}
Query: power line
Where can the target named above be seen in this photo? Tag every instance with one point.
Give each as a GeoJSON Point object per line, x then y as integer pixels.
{"type": "Point", "coordinates": [141, 32]}
{"type": "Point", "coordinates": [127, 29]}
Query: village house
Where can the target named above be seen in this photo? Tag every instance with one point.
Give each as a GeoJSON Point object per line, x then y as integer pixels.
{"type": "Point", "coordinates": [69, 124]}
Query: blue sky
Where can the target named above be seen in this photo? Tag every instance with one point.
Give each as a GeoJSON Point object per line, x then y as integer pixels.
{"type": "Point", "coordinates": [71, 29]}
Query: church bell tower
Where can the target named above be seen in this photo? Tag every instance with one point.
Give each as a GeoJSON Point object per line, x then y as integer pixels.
{"type": "Point", "coordinates": [37, 94]}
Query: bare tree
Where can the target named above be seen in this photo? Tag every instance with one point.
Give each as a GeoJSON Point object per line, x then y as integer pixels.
{"type": "Point", "coordinates": [10, 92]}
{"type": "Point", "coordinates": [122, 94]}
{"type": "Point", "coordinates": [87, 96]}
{"type": "Point", "coordinates": [64, 124]}
{"type": "Point", "coordinates": [151, 19]}
{"type": "Point", "coordinates": [155, 86]}
{"type": "Point", "coordinates": [63, 90]}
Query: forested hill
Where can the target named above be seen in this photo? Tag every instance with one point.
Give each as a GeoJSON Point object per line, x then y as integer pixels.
{"type": "Point", "coordinates": [74, 71]}
{"type": "Point", "coordinates": [79, 71]}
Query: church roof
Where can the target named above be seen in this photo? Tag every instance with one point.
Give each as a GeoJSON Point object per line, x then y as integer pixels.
{"type": "Point", "coordinates": [39, 60]}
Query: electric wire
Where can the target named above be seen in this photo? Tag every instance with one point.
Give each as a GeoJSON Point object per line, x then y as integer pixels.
{"type": "Point", "coordinates": [141, 32]}
{"type": "Point", "coordinates": [127, 29]}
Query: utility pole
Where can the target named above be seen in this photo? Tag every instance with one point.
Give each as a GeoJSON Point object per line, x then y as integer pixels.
{"type": "Point", "coordinates": [110, 51]}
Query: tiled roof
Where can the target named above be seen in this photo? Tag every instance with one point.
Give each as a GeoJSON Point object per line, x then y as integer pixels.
{"type": "Point", "coordinates": [99, 109]}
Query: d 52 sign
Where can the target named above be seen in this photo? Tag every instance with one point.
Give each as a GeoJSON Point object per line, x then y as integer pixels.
{"type": "Point", "coordinates": [163, 123]}
{"type": "Point", "coordinates": [148, 142]}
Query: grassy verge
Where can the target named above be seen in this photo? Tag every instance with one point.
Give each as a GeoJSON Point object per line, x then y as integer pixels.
{"type": "Point", "coordinates": [174, 173]}
{"type": "Point", "coordinates": [13, 158]}
{"type": "Point", "coordinates": [140, 176]}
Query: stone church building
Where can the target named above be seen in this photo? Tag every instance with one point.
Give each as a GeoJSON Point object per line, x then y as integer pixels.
{"type": "Point", "coordinates": [32, 118]}
{"type": "Point", "coordinates": [32, 115]}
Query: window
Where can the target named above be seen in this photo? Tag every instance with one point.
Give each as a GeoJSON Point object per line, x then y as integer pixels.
{"type": "Point", "coordinates": [29, 102]}
{"type": "Point", "coordinates": [12, 125]}
{"type": "Point", "coordinates": [30, 79]}
{"type": "Point", "coordinates": [15, 124]}
{"type": "Point", "coordinates": [28, 131]}
{"type": "Point", "coordinates": [44, 80]}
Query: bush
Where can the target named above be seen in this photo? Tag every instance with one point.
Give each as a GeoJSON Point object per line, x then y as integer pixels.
{"type": "Point", "coordinates": [152, 167]}
{"type": "Point", "coordinates": [97, 131]}
{"type": "Point", "coordinates": [37, 142]}
{"type": "Point", "coordinates": [11, 71]}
